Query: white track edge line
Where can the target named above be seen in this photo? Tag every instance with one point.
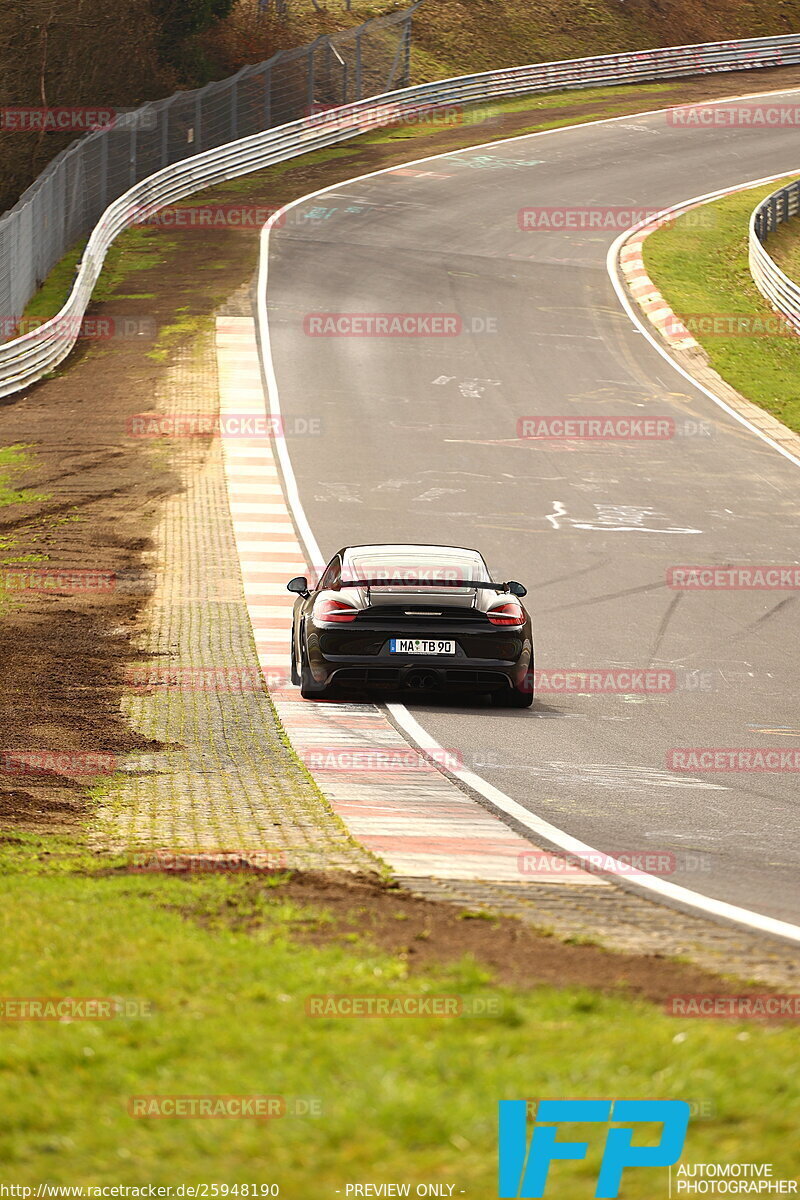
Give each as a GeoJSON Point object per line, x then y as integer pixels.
{"type": "Point", "coordinates": [564, 841]}
{"type": "Point", "coordinates": [493, 795]}
{"type": "Point", "coordinates": [612, 266]}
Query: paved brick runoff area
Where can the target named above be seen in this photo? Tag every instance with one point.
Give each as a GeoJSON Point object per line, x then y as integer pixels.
{"type": "Point", "coordinates": [224, 781]}
{"type": "Point", "coordinates": [684, 348]}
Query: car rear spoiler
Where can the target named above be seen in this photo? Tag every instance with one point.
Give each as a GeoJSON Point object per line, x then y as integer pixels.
{"type": "Point", "coordinates": [516, 589]}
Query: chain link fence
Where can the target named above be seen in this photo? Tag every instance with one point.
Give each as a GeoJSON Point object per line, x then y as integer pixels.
{"type": "Point", "coordinates": [66, 201]}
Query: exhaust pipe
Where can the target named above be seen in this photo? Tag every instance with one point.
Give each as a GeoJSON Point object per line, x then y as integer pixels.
{"type": "Point", "coordinates": [423, 681]}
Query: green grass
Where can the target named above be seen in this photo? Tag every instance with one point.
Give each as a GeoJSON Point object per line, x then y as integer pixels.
{"type": "Point", "coordinates": [184, 326]}
{"type": "Point", "coordinates": [137, 249]}
{"type": "Point", "coordinates": [13, 460]}
{"type": "Point", "coordinates": [225, 975]}
{"type": "Point", "coordinates": [50, 297]}
{"type": "Point", "coordinates": [244, 183]}
{"type": "Point", "coordinates": [705, 270]}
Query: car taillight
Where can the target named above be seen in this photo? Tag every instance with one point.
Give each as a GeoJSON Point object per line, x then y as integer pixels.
{"type": "Point", "coordinates": [336, 611]}
{"type": "Point", "coordinates": [507, 614]}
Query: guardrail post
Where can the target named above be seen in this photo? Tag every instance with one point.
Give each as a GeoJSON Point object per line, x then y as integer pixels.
{"type": "Point", "coordinates": [268, 97]}
{"type": "Point", "coordinates": [164, 118]}
{"type": "Point", "coordinates": [132, 156]}
{"type": "Point", "coordinates": [406, 79]}
{"type": "Point", "coordinates": [104, 172]}
{"type": "Point", "coordinates": [72, 205]}
{"type": "Point", "coordinates": [310, 79]}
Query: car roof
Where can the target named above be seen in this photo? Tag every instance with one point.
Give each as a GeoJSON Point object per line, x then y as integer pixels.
{"type": "Point", "coordinates": [421, 550]}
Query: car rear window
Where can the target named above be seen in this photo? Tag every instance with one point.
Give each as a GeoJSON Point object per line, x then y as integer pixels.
{"type": "Point", "coordinates": [428, 569]}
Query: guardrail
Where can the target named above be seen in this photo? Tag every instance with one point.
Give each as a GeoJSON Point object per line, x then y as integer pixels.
{"type": "Point", "coordinates": [28, 358]}
{"type": "Point", "coordinates": [781, 291]}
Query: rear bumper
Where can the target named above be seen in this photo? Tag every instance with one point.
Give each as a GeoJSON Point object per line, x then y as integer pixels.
{"type": "Point", "coordinates": [422, 676]}
{"type": "Point", "coordinates": [357, 656]}
{"type": "Point", "coordinates": [456, 673]}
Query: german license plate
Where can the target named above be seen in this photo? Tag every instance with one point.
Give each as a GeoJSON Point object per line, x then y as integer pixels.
{"type": "Point", "coordinates": [420, 646]}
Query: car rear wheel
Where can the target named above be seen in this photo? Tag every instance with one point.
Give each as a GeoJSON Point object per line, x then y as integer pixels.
{"type": "Point", "coordinates": [309, 688]}
{"type": "Point", "coordinates": [293, 672]}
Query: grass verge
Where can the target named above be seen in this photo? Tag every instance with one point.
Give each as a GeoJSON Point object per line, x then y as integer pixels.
{"type": "Point", "coordinates": [134, 251]}
{"type": "Point", "coordinates": [703, 270]}
{"type": "Point", "coordinates": [13, 460]}
{"type": "Point", "coordinates": [219, 973]}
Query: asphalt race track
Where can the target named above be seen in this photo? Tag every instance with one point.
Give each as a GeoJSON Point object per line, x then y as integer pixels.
{"type": "Point", "coordinates": [419, 443]}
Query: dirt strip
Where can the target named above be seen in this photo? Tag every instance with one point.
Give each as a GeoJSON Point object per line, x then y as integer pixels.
{"type": "Point", "coordinates": [345, 910]}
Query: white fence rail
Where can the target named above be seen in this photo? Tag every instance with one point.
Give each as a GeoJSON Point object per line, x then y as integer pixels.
{"type": "Point", "coordinates": [781, 291]}
{"type": "Point", "coordinates": [28, 358]}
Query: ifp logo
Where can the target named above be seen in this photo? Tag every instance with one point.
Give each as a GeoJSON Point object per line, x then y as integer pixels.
{"type": "Point", "coordinates": [524, 1168]}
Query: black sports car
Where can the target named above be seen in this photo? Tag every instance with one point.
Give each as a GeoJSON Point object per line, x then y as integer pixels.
{"type": "Point", "coordinates": [411, 617]}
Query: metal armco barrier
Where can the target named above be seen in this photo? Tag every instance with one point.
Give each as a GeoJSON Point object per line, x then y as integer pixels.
{"type": "Point", "coordinates": [28, 358]}
{"type": "Point", "coordinates": [781, 291]}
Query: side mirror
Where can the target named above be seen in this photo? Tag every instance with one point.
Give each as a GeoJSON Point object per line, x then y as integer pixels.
{"type": "Point", "coordinates": [299, 584]}
{"type": "Point", "coordinates": [516, 589]}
